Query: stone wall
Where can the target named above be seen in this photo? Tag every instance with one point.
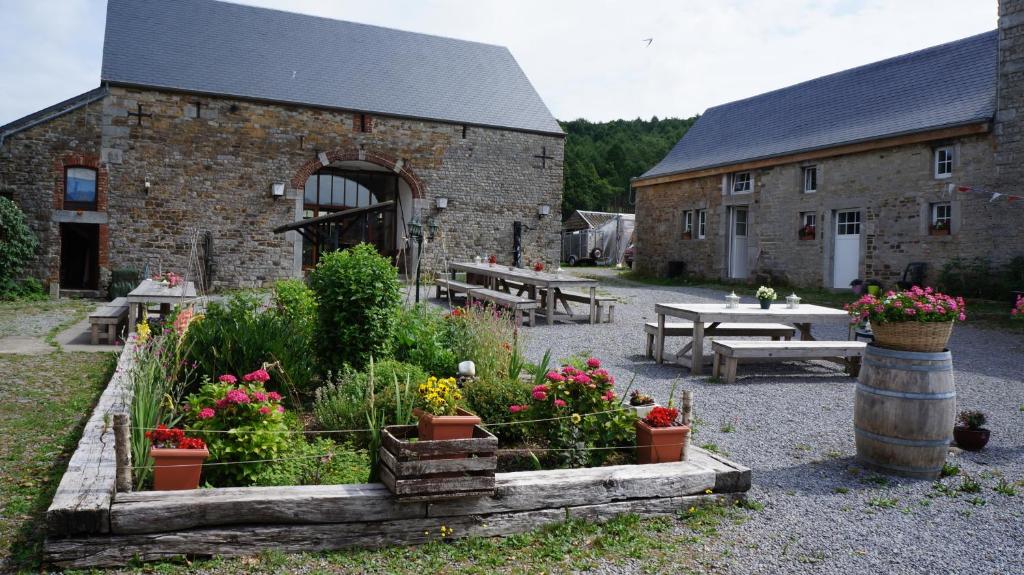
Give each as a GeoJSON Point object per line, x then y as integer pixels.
{"type": "Point", "coordinates": [214, 173]}
{"type": "Point", "coordinates": [893, 188]}
{"type": "Point", "coordinates": [1009, 128]}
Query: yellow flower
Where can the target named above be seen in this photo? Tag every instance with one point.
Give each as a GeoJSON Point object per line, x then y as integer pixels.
{"type": "Point", "coordinates": [708, 491]}
{"type": "Point", "coordinates": [576, 418]}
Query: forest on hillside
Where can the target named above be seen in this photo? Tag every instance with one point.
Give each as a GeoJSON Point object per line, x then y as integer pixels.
{"type": "Point", "coordinates": [601, 157]}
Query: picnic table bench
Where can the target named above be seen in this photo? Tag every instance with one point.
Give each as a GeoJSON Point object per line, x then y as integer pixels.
{"type": "Point", "coordinates": [451, 287]}
{"type": "Point", "coordinates": [730, 352]}
{"type": "Point", "coordinates": [111, 315]}
{"type": "Point", "coordinates": [775, 331]}
{"type": "Point", "coordinates": [515, 303]}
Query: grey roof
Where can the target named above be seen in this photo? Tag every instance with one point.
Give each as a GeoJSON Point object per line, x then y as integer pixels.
{"type": "Point", "coordinates": [53, 111]}
{"type": "Point", "coordinates": [585, 219]}
{"type": "Point", "coordinates": [228, 49]}
{"type": "Point", "coordinates": [947, 85]}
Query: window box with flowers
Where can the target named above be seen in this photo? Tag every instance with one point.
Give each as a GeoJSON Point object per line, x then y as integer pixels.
{"type": "Point", "coordinates": [939, 228]}
{"type": "Point", "coordinates": [178, 459]}
{"type": "Point", "coordinates": [660, 438]}
{"type": "Point", "coordinates": [807, 232]}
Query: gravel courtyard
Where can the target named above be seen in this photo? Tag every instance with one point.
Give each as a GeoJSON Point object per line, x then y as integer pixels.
{"type": "Point", "coordinates": [794, 429]}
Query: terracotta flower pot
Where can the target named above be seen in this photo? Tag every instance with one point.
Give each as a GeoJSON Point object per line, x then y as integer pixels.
{"type": "Point", "coordinates": [659, 444]}
{"type": "Point", "coordinates": [440, 427]}
{"type": "Point", "coordinates": [970, 439]}
{"type": "Point", "coordinates": [176, 469]}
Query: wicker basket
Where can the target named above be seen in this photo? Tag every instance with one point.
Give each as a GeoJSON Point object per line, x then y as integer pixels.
{"type": "Point", "coordinates": [912, 335]}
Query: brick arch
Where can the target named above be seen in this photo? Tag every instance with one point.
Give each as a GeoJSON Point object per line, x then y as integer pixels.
{"type": "Point", "coordinates": [77, 160]}
{"type": "Point", "coordinates": [354, 154]}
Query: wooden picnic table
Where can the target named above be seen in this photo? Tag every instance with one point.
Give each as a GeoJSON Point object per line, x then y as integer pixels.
{"type": "Point", "coordinates": [150, 292]}
{"type": "Point", "coordinates": [553, 283]}
{"type": "Point", "coordinates": [716, 313]}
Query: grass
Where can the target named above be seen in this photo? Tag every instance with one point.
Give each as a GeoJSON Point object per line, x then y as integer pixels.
{"type": "Point", "coordinates": [949, 470]}
{"type": "Point", "coordinates": [884, 502]}
{"type": "Point", "coordinates": [49, 397]}
{"type": "Point", "coordinates": [969, 485]}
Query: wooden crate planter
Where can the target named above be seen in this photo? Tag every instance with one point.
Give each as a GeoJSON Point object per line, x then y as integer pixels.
{"type": "Point", "coordinates": [436, 470]}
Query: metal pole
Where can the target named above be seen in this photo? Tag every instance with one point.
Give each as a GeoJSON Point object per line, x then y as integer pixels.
{"type": "Point", "coordinates": [419, 259]}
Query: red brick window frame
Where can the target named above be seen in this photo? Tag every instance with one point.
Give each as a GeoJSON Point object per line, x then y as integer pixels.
{"type": "Point", "coordinates": [362, 123]}
{"type": "Point", "coordinates": [61, 167]}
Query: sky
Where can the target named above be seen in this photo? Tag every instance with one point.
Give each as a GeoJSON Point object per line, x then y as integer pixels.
{"type": "Point", "coordinates": [587, 58]}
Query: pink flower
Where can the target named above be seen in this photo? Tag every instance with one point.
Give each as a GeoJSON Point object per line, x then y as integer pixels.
{"type": "Point", "coordinates": [582, 379]}
{"type": "Point", "coordinates": [227, 378]}
{"type": "Point", "coordinates": [962, 316]}
{"type": "Point", "coordinates": [237, 396]}
{"type": "Point", "coordinates": [569, 371]}
{"type": "Point", "coordinates": [221, 403]}
{"type": "Point", "coordinates": [274, 396]}
{"type": "Point", "coordinates": [206, 413]}
{"type": "Point", "coordinates": [608, 395]}
{"type": "Point", "coordinates": [516, 408]}
{"type": "Point", "coordinates": [542, 388]}
{"type": "Point", "coordinates": [259, 396]}
{"type": "Point", "coordinates": [559, 403]}
{"type": "Point", "coordinates": [555, 376]}
{"type": "Point", "coordinates": [593, 363]}
{"type": "Point", "coordinates": [260, 375]}
{"type": "Point", "coordinates": [540, 395]}
{"type": "Point", "coordinates": [280, 409]}
{"type": "Point", "coordinates": [264, 410]}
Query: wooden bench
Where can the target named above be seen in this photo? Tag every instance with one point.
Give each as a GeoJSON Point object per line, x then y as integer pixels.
{"type": "Point", "coordinates": [453, 287]}
{"type": "Point", "coordinates": [110, 315]}
{"type": "Point", "coordinates": [603, 302]}
{"type": "Point", "coordinates": [730, 352]}
{"type": "Point", "coordinates": [685, 329]}
{"type": "Point", "coordinates": [501, 299]}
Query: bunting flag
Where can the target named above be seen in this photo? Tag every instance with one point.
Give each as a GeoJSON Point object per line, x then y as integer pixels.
{"type": "Point", "coordinates": [993, 196]}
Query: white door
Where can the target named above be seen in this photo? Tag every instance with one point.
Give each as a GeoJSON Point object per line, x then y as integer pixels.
{"type": "Point", "coordinates": [738, 243]}
{"type": "Point", "coordinates": [846, 248]}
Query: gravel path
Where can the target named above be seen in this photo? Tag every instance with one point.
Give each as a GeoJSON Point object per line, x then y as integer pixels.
{"type": "Point", "coordinates": [822, 513]}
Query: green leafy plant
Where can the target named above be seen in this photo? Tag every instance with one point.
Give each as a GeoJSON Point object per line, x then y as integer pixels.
{"type": "Point", "coordinates": [1004, 487]}
{"type": "Point", "coordinates": [358, 296]}
{"type": "Point", "coordinates": [242, 423]}
{"type": "Point", "coordinates": [949, 470]}
{"type": "Point", "coordinates": [423, 336]}
{"type": "Point", "coordinates": [17, 247]}
{"type": "Point", "coordinates": [539, 371]}
{"type": "Point", "coordinates": [969, 485]}
{"type": "Point", "coordinates": [490, 399]}
{"type": "Point", "coordinates": [972, 419]}
{"type": "Point", "coordinates": [317, 462]}
{"type": "Point", "coordinates": [344, 401]}
{"type": "Point", "coordinates": [486, 335]}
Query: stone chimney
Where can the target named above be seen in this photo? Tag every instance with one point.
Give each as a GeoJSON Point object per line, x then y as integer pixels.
{"type": "Point", "coordinates": [1009, 121]}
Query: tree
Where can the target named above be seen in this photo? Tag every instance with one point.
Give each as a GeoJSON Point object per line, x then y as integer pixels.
{"type": "Point", "coordinates": [17, 242]}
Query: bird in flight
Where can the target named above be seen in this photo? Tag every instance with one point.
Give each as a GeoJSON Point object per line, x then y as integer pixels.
{"type": "Point", "coordinates": [648, 40]}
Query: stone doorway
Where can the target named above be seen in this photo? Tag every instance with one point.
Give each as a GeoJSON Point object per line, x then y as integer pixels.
{"type": "Point", "coordinates": [79, 256]}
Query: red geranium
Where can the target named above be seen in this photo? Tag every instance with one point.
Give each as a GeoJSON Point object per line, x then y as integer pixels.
{"type": "Point", "coordinates": [173, 438]}
{"type": "Point", "coordinates": [662, 417]}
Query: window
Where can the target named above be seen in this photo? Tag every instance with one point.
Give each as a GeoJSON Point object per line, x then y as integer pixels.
{"type": "Point", "coordinates": [80, 189]}
{"type": "Point", "coordinates": [808, 225]}
{"type": "Point", "coordinates": [687, 224]}
{"type": "Point", "coordinates": [741, 183]}
{"type": "Point", "coordinates": [944, 162]}
{"type": "Point", "coordinates": [848, 223]}
{"type": "Point", "coordinates": [942, 215]}
{"type": "Point", "coordinates": [810, 179]}
{"type": "Point", "coordinates": [702, 221]}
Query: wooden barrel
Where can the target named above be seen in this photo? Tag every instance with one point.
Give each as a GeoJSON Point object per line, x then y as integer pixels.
{"type": "Point", "coordinates": [904, 411]}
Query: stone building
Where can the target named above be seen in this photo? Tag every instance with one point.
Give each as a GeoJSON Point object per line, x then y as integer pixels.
{"type": "Point", "coordinates": [224, 122]}
{"type": "Point", "coordinates": [852, 175]}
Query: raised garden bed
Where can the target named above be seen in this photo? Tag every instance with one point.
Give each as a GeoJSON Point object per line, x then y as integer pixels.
{"type": "Point", "coordinates": [89, 525]}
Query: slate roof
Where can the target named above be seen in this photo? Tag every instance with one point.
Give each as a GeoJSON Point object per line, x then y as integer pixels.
{"type": "Point", "coordinates": [942, 86]}
{"type": "Point", "coordinates": [53, 111]}
{"type": "Point", "coordinates": [220, 48]}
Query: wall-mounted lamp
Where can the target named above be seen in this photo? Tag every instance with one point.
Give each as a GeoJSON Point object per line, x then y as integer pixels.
{"type": "Point", "coordinates": [442, 203]}
{"type": "Point", "coordinates": [277, 190]}
{"type": "Point", "coordinates": [543, 211]}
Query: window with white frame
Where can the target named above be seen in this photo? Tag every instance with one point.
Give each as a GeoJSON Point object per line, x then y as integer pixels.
{"type": "Point", "coordinates": [702, 223]}
{"type": "Point", "coordinates": [808, 219]}
{"type": "Point", "coordinates": [687, 223]}
{"type": "Point", "coordinates": [944, 162]}
{"type": "Point", "coordinates": [942, 215]}
{"type": "Point", "coordinates": [742, 183]}
{"type": "Point", "coordinates": [810, 179]}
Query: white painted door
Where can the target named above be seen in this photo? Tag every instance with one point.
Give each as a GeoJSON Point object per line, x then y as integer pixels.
{"type": "Point", "coordinates": [846, 248]}
{"type": "Point", "coordinates": [738, 243]}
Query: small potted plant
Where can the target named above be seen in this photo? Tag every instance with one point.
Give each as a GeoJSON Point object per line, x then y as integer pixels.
{"type": "Point", "coordinates": [969, 433]}
{"type": "Point", "coordinates": [178, 460]}
{"type": "Point", "coordinates": [492, 259]}
{"type": "Point", "coordinates": [766, 296]}
{"type": "Point", "coordinates": [1018, 309]}
{"type": "Point", "coordinates": [659, 437]}
{"type": "Point", "coordinates": [640, 403]}
{"type": "Point", "coordinates": [807, 232]}
{"type": "Point", "coordinates": [912, 320]}
{"type": "Point", "coordinates": [538, 266]}
{"type": "Point", "coordinates": [688, 235]}
{"type": "Point", "coordinates": [442, 417]}
{"type": "Point", "coordinates": [874, 287]}
{"type": "Point", "coordinates": [940, 228]}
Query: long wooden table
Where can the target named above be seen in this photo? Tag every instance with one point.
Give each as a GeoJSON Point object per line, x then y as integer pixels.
{"type": "Point", "coordinates": [150, 292]}
{"type": "Point", "coordinates": [716, 313]}
{"type": "Point", "coordinates": [551, 282]}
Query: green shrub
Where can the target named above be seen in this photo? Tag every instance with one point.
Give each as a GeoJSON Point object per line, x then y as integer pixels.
{"type": "Point", "coordinates": [245, 333]}
{"type": "Point", "coordinates": [296, 305]}
{"type": "Point", "coordinates": [978, 278]}
{"type": "Point", "coordinates": [488, 337]}
{"type": "Point", "coordinates": [491, 399]}
{"type": "Point", "coordinates": [319, 462]}
{"type": "Point", "coordinates": [358, 295]}
{"type": "Point", "coordinates": [240, 422]}
{"type": "Point", "coordinates": [17, 244]}
{"type": "Point", "coordinates": [425, 337]}
{"type": "Point", "coordinates": [345, 400]}
{"type": "Point", "coordinates": [27, 289]}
